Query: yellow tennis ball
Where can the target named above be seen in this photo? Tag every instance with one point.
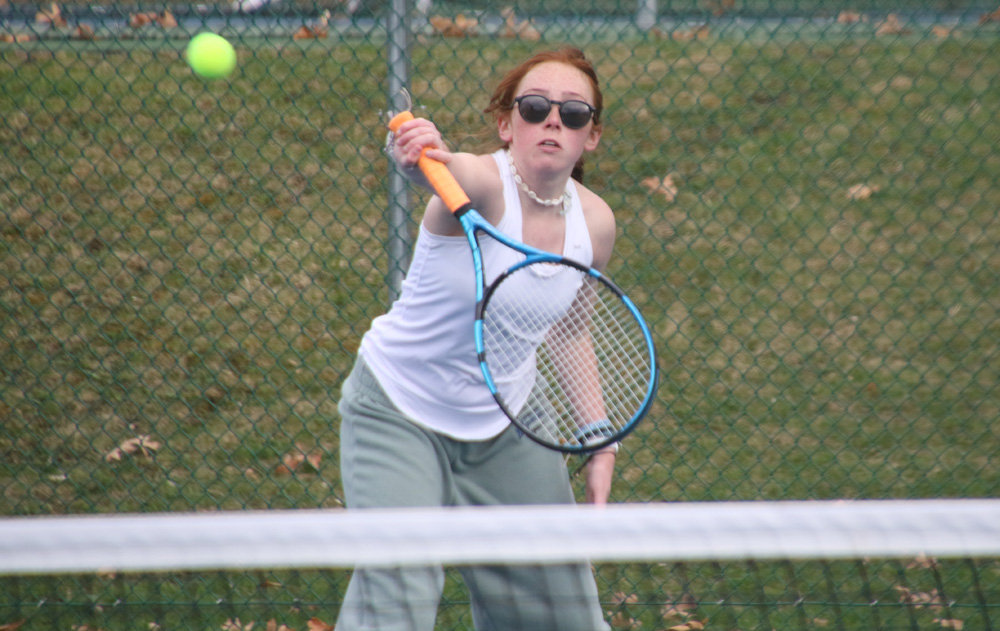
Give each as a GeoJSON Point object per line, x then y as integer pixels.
{"type": "Point", "coordinates": [211, 56]}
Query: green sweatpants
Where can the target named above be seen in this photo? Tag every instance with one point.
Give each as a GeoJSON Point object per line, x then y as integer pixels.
{"type": "Point", "coordinates": [387, 460]}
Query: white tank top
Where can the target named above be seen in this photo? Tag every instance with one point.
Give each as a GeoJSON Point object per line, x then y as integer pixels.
{"type": "Point", "coordinates": [422, 351]}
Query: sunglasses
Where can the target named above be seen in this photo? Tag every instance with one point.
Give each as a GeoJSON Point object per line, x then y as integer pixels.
{"type": "Point", "coordinates": [535, 108]}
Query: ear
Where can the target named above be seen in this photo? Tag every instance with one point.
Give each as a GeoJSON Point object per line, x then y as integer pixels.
{"type": "Point", "coordinates": [505, 129]}
{"type": "Point", "coordinates": [593, 138]}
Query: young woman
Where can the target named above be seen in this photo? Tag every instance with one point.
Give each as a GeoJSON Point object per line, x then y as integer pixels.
{"type": "Point", "coordinates": [419, 426]}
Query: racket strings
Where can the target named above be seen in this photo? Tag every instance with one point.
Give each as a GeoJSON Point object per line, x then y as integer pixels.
{"type": "Point", "coordinates": [566, 353]}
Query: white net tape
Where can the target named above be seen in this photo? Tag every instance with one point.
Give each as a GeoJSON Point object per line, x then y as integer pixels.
{"type": "Point", "coordinates": [465, 536]}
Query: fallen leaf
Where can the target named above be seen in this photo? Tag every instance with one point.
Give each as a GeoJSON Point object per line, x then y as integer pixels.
{"type": "Point", "coordinates": [993, 16]}
{"type": "Point", "coordinates": [52, 16]}
{"type": "Point", "coordinates": [677, 610]}
{"type": "Point", "coordinates": [10, 626]}
{"type": "Point", "coordinates": [918, 599]}
{"type": "Point", "coordinates": [166, 20]}
{"type": "Point", "coordinates": [665, 187]}
{"type": "Point", "coordinates": [461, 26]}
{"type": "Point", "coordinates": [686, 35]}
{"type": "Point", "coordinates": [861, 191]}
{"type": "Point", "coordinates": [139, 20]}
{"type": "Point", "coordinates": [513, 28]}
{"type": "Point", "coordinates": [950, 624]}
{"type": "Point", "coordinates": [622, 598]}
{"type": "Point", "coordinates": [892, 26]}
{"type": "Point", "coordinates": [850, 17]}
{"type": "Point", "coordinates": [301, 455]}
{"type": "Point", "coordinates": [319, 30]}
{"type": "Point", "coordinates": [923, 562]}
{"type": "Point", "coordinates": [143, 445]}
{"type": "Point", "coordinates": [720, 7]}
{"type": "Point", "coordinates": [272, 625]}
{"type": "Point", "coordinates": [315, 624]}
{"type": "Point", "coordinates": [14, 38]}
{"type": "Point", "coordinates": [83, 32]}
{"type": "Point", "coordinates": [621, 620]}
{"type": "Point", "coordinates": [236, 625]}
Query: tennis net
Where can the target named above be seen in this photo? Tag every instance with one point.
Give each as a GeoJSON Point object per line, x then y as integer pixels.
{"type": "Point", "coordinates": [919, 564]}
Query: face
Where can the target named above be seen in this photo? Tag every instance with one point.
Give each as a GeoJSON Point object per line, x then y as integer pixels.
{"type": "Point", "coordinates": [550, 143]}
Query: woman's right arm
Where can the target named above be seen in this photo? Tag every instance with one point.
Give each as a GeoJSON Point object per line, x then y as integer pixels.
{"type": "Point", "coordinates": [476, 174]}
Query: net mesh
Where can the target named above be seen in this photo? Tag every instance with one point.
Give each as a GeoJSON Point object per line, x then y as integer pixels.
{"type": "Point", "coordinates": [572, 362]}
{"type": "Point", "coordinates": [922, 564]}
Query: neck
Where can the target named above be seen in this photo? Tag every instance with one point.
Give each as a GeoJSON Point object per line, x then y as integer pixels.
{"type": "Point", "coordinates": [561, 202]}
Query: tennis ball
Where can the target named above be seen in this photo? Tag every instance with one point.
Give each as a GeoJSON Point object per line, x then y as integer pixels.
{"type": "Point", "coordinates": [211, 56]}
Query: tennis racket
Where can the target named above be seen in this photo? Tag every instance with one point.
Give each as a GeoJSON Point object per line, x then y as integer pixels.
{"type": "Point", "coordinates": [564, 352]}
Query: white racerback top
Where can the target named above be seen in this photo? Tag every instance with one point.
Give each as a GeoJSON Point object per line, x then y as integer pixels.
{"type": "Point", "coordinates": [422, 351]}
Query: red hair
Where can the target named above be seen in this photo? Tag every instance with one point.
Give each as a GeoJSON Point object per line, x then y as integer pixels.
{"type": "Point", "coordinates": [502, 100]}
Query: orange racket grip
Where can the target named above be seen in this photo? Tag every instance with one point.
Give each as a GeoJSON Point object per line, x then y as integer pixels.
{"type": "Point", "coordinates": [437, 173]}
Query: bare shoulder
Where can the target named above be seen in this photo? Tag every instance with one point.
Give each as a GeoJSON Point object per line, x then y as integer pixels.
{"type": "Point", "coordinates": [479, 177]}
{"type": "Point", "coordinates": [601, 224]}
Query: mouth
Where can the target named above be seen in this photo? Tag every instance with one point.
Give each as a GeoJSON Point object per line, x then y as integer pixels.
{"type": "Point", "coordinates": [549, 143]}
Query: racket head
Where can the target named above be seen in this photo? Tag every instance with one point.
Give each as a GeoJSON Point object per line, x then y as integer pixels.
{"type": "Point", "coordinates": [565, 353]}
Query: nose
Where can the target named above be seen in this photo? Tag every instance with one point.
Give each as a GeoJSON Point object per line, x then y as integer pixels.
{"type": "Point", "coordinates": [553, 119]}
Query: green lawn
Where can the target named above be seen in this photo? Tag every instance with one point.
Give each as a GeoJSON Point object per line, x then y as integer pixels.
{"type": "Point", "coordinates": [193, 264]}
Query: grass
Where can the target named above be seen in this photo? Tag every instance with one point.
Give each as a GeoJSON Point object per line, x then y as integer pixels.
{"type": "Point", "coordinates": [195, 263]}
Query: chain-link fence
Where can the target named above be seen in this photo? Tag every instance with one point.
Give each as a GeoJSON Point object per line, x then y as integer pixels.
{"type": "Point", "coordinates": [806, 196]}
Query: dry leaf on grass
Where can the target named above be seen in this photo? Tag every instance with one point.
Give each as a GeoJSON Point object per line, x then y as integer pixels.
{"type": "Point", "coordinates": [166, 20]}
{"type": "Point", "coordinates": [944, 31]}
{"type": "Point", "coordinates": [850, 17]}
{"type": "Point", "coordinates": [236, 625]}
{"type": "Point", "coordinates": [682, 35]}
{"type": "Point", "coordinates": [665, 187]}
{"type": "Point", "coordinates": [513, 28]}
{"type": "Point", "coordinates": [295, 459]}
{"type": "Point", "coordinates": [683, 609]}
{"type": "Point", "coordinates": [83, 32]}
{"type": "Point", "coordinates": [51, 16]}
{"type": "Point", "coordinates": [861, 191]}
{"type": "Point", "coordinates": [621, 598]}
{"type": "Point", "coordinates": [461, 26]}
{"type": "Point", "coordinates": [931, 599]}
{"type": "Point", "coordinates": [690, 625]}
{"type": "Point", "coordinates": [10, 626]}
{"type": "Point", "coordinates": [152, 18]}
{"type": "Point", "coordinates": [992, 16]}
{"type": "Point", "coordinates": [139, 20]}
{"type": "Point", "coordinates": [143, 445]}
{"type": "Point", "coordinates": [319, 30]}
{"type": "Point", "coordinates": [720, 7]}
{"type": "Point", "coordinates": [621, 620]}
{"type": "Point", "coordinates": [892, 26]}
{"type": "Point", "coordinates": [952, 623]}
{"type": "Point", "coordinates": [315, 624]}
{"type": "Point", "coordinates": [14, 38]}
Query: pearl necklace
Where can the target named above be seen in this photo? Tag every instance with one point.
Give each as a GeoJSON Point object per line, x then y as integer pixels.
{"type": "Point", "coordinates": [564, 200]}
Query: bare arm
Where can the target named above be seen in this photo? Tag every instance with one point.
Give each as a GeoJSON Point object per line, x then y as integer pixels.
{"type": "Point", "coordinates": [477, 175]}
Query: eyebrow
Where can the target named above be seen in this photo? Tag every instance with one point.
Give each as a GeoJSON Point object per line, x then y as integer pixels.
{"type": "Point", "coordinates": [548, 94]}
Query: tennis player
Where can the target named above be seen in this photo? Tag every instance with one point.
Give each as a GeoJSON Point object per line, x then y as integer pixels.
{"type": "Point", "coordinates": [419, 426]}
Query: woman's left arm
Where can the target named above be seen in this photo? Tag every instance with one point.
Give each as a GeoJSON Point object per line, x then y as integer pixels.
{"type": "Point", "coordinates": [601, 223]}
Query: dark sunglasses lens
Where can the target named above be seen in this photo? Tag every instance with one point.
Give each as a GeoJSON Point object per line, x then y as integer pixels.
{"type": "Point", "coordinates": [534, 109]}
{"type": "Point", "coordinates": [574, 114]}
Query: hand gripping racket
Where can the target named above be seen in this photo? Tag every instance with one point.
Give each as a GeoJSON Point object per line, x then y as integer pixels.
{"type": "Point", "coordinates": [562, 349]}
